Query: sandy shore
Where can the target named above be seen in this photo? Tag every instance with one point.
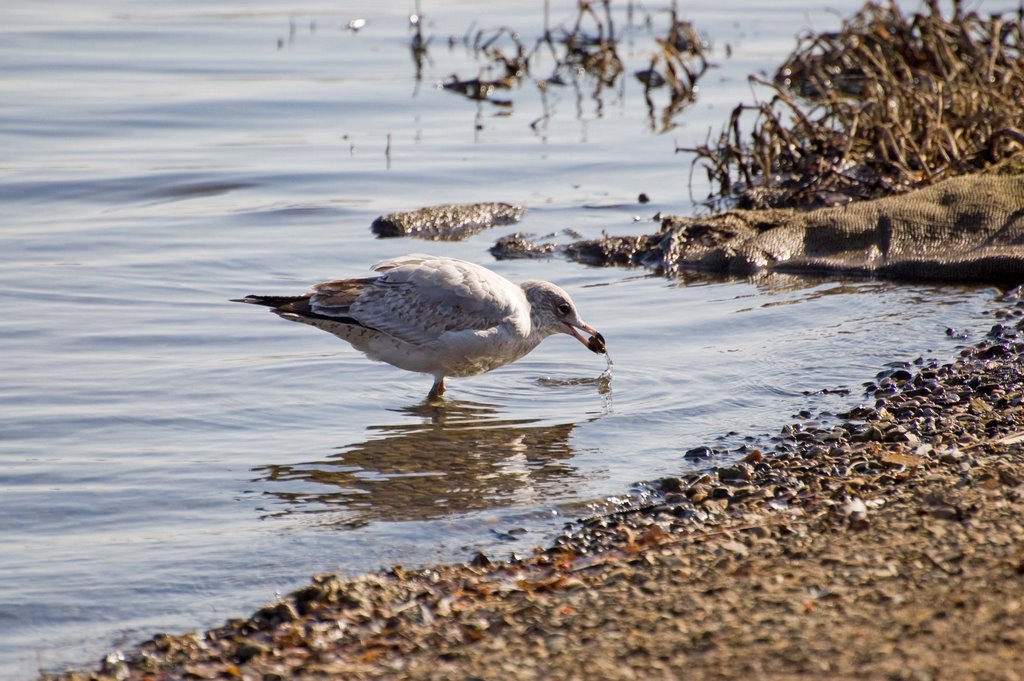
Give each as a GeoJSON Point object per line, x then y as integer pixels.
{"type": "Point", "coordinates": [887, 542]}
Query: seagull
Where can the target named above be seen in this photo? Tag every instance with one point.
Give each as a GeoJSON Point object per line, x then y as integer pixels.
{"type": "Point", "coordinates": [437, 315]}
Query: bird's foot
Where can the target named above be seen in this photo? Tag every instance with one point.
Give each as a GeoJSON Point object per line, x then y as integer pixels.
{"type": "Point", "coordinates": [436, 391]}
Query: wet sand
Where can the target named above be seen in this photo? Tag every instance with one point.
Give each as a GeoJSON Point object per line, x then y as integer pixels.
{"type": "Point", "coordinates": [887, 542]}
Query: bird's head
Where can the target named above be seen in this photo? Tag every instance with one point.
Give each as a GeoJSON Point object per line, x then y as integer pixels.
{"type": "Point", "coordinates": [552, 311]}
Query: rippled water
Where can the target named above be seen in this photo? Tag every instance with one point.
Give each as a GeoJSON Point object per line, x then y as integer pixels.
{"type": "Point", "coordinates": [168, 458]}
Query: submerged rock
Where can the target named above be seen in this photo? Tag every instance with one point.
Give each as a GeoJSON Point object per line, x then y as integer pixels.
{"type": "Point", "coordinates": [447, 222]}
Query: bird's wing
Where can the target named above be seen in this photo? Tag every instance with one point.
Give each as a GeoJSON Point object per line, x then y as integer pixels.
{"type": "Point", "coordinates": [418, 298]}
{"type": "Point", "coordinates": [335, 298]}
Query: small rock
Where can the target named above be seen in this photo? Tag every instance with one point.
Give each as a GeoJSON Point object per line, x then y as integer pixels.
{"type": "Point", "coordinates": [480, 560]}
{"type": "Point", "coordinates": [736, 547]}
{"type": "Point", "coordinates": [250, 649]}
{"type": "Point", "coordinates": [738, 472]}
{"type": "Point", "coordinates": [115, 666]}
{"type": "Point", "coordinates": [699, 453]}
{"type": "Point", "coordinates": [276, 613]}
{"type": "Point", "coordinates": [715, 505]}
{"type": "Point", "coordinates": [670, 484]}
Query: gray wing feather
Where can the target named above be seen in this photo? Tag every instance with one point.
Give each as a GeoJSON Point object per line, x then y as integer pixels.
{"type": "Point", "coordinates": [419, 298]}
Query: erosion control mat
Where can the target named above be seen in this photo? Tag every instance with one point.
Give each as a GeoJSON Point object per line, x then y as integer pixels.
{"type": "Point", "coordinates": [888, 149]}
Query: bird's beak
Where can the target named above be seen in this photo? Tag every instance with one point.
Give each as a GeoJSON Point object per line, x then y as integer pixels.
{"type": "Point", "coordinates": [596, 341]}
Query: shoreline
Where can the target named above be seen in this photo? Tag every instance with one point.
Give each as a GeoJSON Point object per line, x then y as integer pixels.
{"type": "Point", "coordinates": [884, 542]}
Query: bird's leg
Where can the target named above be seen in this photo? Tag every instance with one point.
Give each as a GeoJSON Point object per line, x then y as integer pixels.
{"type": "Point", "coordinates": [437, 390]}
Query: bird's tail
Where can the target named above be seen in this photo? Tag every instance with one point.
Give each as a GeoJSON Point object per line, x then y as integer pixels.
{"type": "Point", "coordinates": [269, 301]}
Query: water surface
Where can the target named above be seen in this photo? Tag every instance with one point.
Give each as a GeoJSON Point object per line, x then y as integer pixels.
{"type": "Point", "coordinates": [169, 459]}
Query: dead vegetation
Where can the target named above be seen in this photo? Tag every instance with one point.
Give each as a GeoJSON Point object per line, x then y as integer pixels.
{"type": "Point", "coordinates": [588, 48]}
{"type": "Point", "coordinates": [679, 63]}
{"type": "Point", "coordinates": [583, 54]}
{"type": "Point", "coordinates": [888, 103]}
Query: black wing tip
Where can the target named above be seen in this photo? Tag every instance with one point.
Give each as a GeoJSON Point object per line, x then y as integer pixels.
{"type": "Point", "coordinates": [295, 308]}
{"type": "Point", "coordinates": [269, 301]}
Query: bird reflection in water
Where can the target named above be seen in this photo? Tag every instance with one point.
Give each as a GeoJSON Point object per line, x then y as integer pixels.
{"type": "Point", "coordinates": [454, 458]}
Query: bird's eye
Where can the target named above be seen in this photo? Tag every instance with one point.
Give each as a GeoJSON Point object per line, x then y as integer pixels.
{"type": "Point", "coordinates": [564, 309]}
